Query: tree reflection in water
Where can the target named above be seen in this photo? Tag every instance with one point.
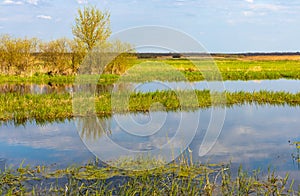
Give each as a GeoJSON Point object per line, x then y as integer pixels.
{"type": "Point", "coordinates": [92, 127]}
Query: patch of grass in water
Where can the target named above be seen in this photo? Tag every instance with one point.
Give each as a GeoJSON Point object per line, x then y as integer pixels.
{"type": "Point", "coordinates": [50, 107]}
{"type": "Point", "coordinates": [296, 154]}
{"type": "Point", "coordinates": [176, 178]}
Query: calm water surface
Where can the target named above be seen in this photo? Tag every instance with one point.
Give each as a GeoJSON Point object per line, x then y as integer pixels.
{"type": "Point", "coordinates": [292, 86]}
{"type": "Point", "coordinates": [254, 136]}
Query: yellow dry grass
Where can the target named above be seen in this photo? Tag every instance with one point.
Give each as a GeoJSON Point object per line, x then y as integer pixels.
{"type": "Point", "coordinates": [271, 57]}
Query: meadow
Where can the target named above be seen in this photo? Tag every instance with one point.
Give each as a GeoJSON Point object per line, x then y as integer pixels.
{"type": "Point", "coordinates": [142, 70]}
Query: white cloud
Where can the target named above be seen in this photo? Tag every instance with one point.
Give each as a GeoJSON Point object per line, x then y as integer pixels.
{"type": "Point", "coordinates": [33, 2]}
{"type": "Point", "coordinates": [44, 17]}
{"type": "Point", "coordinates": [14, 2]}
{"type": "Point", "coordinates": [49, 136]}
{"type": "Point", "coordinates": [10, 2]}
{"type": "Point", "coordinates": [266, 6]}
{"type": "Point", "coordinates": [249, 1]}
{"type": "Point", "coordinates": [82, 1]}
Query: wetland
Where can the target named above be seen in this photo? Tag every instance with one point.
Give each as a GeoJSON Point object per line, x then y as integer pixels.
{"type": "Point", "coordinates": [258, 142]}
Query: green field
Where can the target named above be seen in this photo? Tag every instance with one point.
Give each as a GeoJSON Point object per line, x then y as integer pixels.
{"type": "Point", "coordinates": [184, 69]}
{"type": "Point", "coordinates": [179, 178]}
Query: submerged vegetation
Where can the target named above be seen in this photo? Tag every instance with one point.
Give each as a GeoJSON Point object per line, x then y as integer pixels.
{"type": "Point", "coordinates": [48, 107]}
{"type": "Point", "coordinates": [178, 178]}
{"type": "Point", "coordinates": [296, 154]}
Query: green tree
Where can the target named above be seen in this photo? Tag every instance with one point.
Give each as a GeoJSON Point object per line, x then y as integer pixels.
{"type": "Point", "coordinates": [92, 27]}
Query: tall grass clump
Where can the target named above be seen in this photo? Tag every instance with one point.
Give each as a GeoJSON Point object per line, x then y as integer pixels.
{"type": "Point", "coordinates": [41, 107]}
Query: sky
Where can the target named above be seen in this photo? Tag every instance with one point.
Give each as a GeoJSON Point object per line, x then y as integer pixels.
{"type": "Point", "coordinates": [226, 26]}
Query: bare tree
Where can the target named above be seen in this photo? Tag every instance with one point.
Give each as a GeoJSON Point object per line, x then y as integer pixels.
{"type": "Point", "coordinates": [56, 56]}
{"type": "Point", "coordinates": [16, 54]}
{"type": "Point", "coordinates": [124, 58]}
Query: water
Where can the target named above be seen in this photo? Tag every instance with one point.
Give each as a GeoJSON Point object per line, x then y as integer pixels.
{"type": "Point", "coordinates": [292, 86]}
{"type": "Point", "coordinates": [52, 143]}
{"type": "Point", "coordinates": [35, 88]}
{"type": "Point", "coordinates": [47, 88]}
{"type": "Point", "coordinates": [254, 136]}
{"type": "Point", "coordinates": [2, 164]}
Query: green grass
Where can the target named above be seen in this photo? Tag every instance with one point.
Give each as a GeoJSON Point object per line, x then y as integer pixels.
{"type": "Point", "coordinates": [182, 69]}
{"type": "Point", "coordinates": [40, 79]}
{"type": "Point", "coordinates": [57, 79]}
{"type": "Point", "coordinates": [50, 107]}
{"type": "Point", "coordinates": [180, 177]}
{"type": "Point", "coordinates": [230, 69]}
{"type": "Point", "coordinates": [236, 69]}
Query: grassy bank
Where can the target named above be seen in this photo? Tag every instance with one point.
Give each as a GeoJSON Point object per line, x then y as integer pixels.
{"type": "Point", "coordinates": [47, 107]}
{"type": "Point", "coordinates": [57, 79]}
{"type": "Point", "coordinates": [177, 178]}
{"type": "Point", "coordinates": [183, 69]}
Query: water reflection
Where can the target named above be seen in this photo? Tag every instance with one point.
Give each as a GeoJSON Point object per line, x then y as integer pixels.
{"type": "Point", "coordinates": [56, 142]}
{"type": "Point", "coordinates": [254, 136]}
{"type": "Point", "coordinates": [92, 127]}
{"type": "Point", "coordinates": [2, 164]}
{"type": "Point", "coordinates": [292, 86]}
{"type": "Point", "coordinates": [35, 88]}
{"type": "Point", "coordinates": [48, 88]}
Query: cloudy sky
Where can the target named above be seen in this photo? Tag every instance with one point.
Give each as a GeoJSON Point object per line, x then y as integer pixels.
{"type": "Point", "coordinates": [220, 25]}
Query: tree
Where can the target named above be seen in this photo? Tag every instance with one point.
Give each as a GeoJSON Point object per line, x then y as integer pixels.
{"type": "Point", "coordinates": [123, 60]}
{"type": "Point", "coordinates": [56, 56]}
{"type": "Point", "coordinates": [77, 54]}
{"type": "Point", "coordinates": [91, 27]}
{"type": "Point", "coordinates": [16, 54]}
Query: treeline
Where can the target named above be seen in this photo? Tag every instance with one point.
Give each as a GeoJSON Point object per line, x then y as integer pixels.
{"type": "Point", "coordinates": [31, 56]}
{"type": "Point", "coordinates": [27, 56]}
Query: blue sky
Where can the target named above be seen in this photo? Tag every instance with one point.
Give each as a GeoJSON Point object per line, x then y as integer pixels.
{"type": "Point", "coordinates": [220, 25]}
